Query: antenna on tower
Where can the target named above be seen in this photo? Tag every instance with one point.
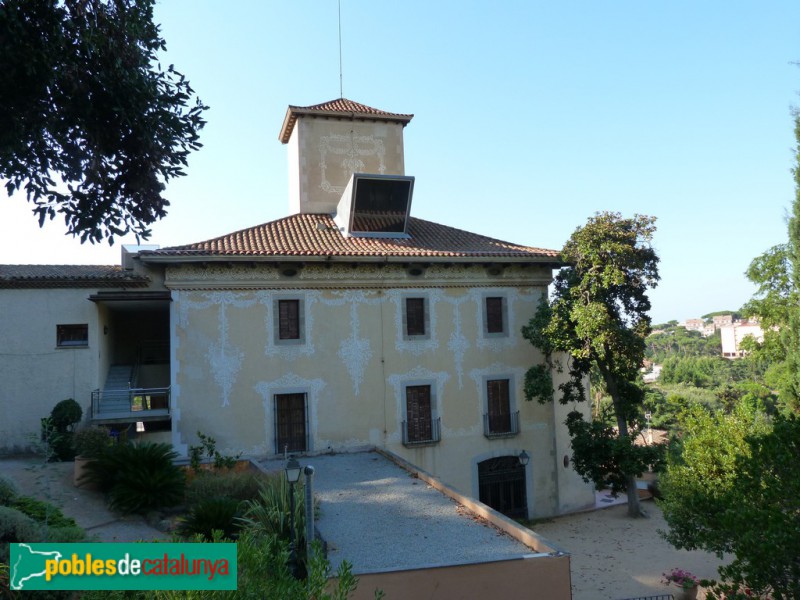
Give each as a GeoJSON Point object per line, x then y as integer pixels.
{"type": "Point", "coordinates": [341, 87]}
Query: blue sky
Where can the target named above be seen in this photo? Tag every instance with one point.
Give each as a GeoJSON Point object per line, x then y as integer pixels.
{"type": "Point", "coordinates": [529, 118]}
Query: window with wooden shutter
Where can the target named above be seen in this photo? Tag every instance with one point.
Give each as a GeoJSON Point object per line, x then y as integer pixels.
{"type": "Point", "coordinates": [290, 423]}
{"type": "Point", "coordinates": [415, 316]}
{"type": "Point", "coordinates": [495, 321]}
{"type": "Point", "coordinates": [419, 414]}
{"type": "Point", "coordinates": [289, 319]}
{"type": "Point", "coordinates": [499, 406]}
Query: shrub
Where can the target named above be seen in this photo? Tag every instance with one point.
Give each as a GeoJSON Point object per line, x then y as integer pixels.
{"type": "Point", "coordinates": [137, 477]}
{"type": "Point", "coordinates": [15, 527]}
{"type": "Point", "coordinates": [208, 446]}
{"type": "Point", "coordinates": [270, 513]}
{"type": "Point", "coordinates": [41, 511]}
{"type": "Point", "coordinates": [57, 429]}
{"type": "Point", "coordinates": [92, 441]}
{"type": "Point", "coordinates": [66, 414]}
{"type": "Point", "coordinates": [212, 514]}
{"type": "Point", "coordinates": [63, 535]}
{"type": "Point", "coordinates": [8, 491]}
{"type": "Point", "coordinates": [241, 486]}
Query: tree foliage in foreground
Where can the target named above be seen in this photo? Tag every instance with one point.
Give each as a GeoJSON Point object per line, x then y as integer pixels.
{"type": "Point", "coordinates": [733, 486]}
{"type": "Point", "coordinates": [776, 303]}
{"type": "Point", "coordinates": [598, 315]}
{"type": "Point", "coordinates": [91, 126]}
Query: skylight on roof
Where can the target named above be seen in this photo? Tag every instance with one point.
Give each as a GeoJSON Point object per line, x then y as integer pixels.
{"type": "Point", "coordinates": [376, 205]}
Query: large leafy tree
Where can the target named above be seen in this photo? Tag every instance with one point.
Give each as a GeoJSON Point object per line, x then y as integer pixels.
{"type": "Point", "coordinates": [777, 303]}
{"type": "Point", "coordinates": [733, 486]}
{"type": "Point", "coordinates": [91, 126]}
{"type": "Point", "coordinates": [598, 317]}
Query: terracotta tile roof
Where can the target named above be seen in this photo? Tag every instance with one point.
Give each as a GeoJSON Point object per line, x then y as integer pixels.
{"type": "Point", "coordinates": [316, 235]}
{"type": "Point", "coordinates": [339, 108]}
{"type": "Point", "coordinates": [75, 276]}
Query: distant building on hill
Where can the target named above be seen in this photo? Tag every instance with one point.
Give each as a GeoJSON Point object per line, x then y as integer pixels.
{"type": "Point", "coordinates": [699, 325]}
{"type": "Point", "coordinates": [694, 324]}
{"type": "Point", "coordinates": [652, 375]}
{"type": "Point", "coordinates": [733, 334]}
{"type": "Point", "coordinates": [722, 320]}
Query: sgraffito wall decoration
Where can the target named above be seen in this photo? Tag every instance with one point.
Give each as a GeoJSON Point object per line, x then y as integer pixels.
{"type": "Point", "coordinates": [346, 154]}
{"type": "Point", "coordinates": [289, 352]}
{"type": "Point", "coordinates": [354, 351]}
{"type": "Point", "coordinates": [224, 357]}
{"type": "Point", "coordinates": [458, 344]}
{"type": "Point", "coordinates": [416, 346]}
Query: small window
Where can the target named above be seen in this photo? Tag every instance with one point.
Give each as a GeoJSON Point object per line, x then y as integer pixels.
{"type": "Point", "coordinates": [415, 317]}
{"type": "Point", "coordinates": [72, 336]}
{"type": "Point", "coordinates": [289, 321]}
{"type": "Point", "coordinates": [495, 316]}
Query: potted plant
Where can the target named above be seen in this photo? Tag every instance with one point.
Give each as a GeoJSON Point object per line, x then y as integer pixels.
{"type": "Point", "coordinates": [687, 583]}
{"type": "Point", "coordinates": [89, 444]}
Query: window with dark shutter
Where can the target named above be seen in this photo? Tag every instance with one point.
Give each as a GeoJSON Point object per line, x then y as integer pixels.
{"type": "Point", "coordinates": [418, 413]}
{"type": "Point", "coordinates": [498, 405]}
{"type": "Point", "coordinates": [290, 422]}
{"type": "Point", "coordinates": [415, 316]}
{"type": "Point", "coordinates": [494, 315]}
{"type": "Point", "coordinates": [288, 319]}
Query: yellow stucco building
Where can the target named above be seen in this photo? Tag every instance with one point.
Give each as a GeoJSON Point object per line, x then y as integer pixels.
{"type": "Point", "coordinates": [346, 325]}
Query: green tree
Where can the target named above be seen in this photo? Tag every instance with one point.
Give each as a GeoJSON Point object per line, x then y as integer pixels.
{"type": "Point", "coordinates": [777, 303]}
{"type": "Point", "coordinates": [733, 486]}
{"type": "Point", "coordinates": [598, 317]}
{"type": "Point", "coordinates": [91, 126]}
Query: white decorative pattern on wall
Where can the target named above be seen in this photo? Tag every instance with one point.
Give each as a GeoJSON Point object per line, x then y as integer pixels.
{"type": "Point", "coordinates": [347, 152]}
{"type": "Point", "coordinates": [225, 359]}
{"type": "Point", "coordinates": [513, 298]}
{"type": "Point", "coordinates": [288, 352]}
{"type": "Point", "coordinates": [415, 347]}
{"type": "Point", "coordinates": [354, 351]}
{"type": "Point", "coordinates": [458, 343]}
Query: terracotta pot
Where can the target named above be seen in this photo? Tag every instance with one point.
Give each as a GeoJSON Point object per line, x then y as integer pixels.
{"type": "Point", "coordinates": [687, 594]}
{"type": "Point", "coordinates": [80, 469]}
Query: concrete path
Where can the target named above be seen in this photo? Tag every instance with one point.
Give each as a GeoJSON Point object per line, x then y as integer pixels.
{"type": "Point", "coordinates": [53, 482]}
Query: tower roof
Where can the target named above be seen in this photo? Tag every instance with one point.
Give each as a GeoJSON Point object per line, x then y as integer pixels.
{"type": "Point", "coordinates": [340, 108]}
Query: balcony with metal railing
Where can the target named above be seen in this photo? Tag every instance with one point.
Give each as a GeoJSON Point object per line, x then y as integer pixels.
{"type": "Point", "coordinates": [500, 425]}
{"type": "Point", "coordinates": [421, 432]}
{"type": "Point", "coordinates": [131, 405]}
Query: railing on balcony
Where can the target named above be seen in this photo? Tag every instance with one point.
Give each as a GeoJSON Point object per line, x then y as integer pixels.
{"type": "Point", "coordinates": [500, 425]}
{"type": "Point", "coordinates": [421, 432]}
{"type": "Point", "coordinates": [132, 404]}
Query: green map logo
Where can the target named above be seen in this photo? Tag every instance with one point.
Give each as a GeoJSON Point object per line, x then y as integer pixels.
{"type": "Point", "coordinates": [153, 566]}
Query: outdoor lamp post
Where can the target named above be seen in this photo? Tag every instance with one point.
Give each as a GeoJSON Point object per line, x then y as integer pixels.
{"type": "Point", "coordinates": [524, 458]}
{"type": "Point", "coordinates": [292, 470]}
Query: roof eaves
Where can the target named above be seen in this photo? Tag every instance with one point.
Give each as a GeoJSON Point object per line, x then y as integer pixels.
{"type": "Point", "coordinates": [293, 112]}
{"type": "Point", "coordinates": [204, 257]}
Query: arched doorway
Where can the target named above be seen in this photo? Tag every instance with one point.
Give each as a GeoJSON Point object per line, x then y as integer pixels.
{"type": "Point", "coordinates": [501, 484]}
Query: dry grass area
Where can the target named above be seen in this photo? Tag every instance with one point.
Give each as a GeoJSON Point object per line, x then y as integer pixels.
{"type": "Point", "coordinates": [614, 556]}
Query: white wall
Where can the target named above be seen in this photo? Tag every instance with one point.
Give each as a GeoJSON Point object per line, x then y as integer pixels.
{"type": "Point", "coordinates": [34, 373]}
